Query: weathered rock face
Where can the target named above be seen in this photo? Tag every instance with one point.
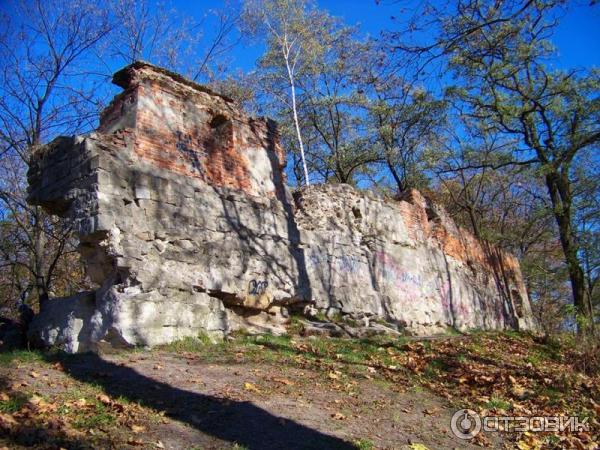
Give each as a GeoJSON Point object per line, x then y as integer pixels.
{"type": "Point", "coordinates": [187, 226]}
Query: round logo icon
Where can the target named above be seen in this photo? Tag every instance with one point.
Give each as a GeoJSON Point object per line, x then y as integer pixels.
{"type": "Point", "coordinates": [465, 424]}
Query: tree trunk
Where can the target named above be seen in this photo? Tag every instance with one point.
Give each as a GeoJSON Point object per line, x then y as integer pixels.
{"type": "Point", "coordinates": [297, 122]}
{"type": "Point", "coordinates": [474, 223]}
{"type": "Point", "coordinates": [38, 221]}
{"type": "Point", "coordinates": [560, 195]}
{"type": "Point", "coordinates": [38, 255]}
{"type": "Point", "coordinates": [396, 176]}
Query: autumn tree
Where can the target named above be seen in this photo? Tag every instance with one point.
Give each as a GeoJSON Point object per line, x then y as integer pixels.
{"type": "Point", "coordinates": [159, 34]}
{"type": "Point", "coordinates": [405, 120]}
{"type": "Point", "coordinates": [499, 53]}
{"type": "Point", "coordinates": [507, 207]}
{"type": "Point", "coordinates": [42, 92]}
{"type": "Point", "coordinates": [291, 29]}
{"type": "Point", "coordinates": [333, 105]}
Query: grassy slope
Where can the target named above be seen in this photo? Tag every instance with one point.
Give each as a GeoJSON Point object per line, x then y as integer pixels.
{"type": "Point", "coordinates": [493, 373]}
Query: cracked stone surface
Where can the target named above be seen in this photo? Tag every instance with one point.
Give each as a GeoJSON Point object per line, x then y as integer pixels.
{"type": "Point", "coordinates": [187, 226]}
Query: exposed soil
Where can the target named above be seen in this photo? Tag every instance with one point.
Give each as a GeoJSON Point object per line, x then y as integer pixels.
{"type": "Point", "coordinates": [257, 406]}
{"type": "Point", "coordinates": [254, 394]}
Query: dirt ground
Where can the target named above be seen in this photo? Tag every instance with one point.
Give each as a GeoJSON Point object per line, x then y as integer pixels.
{"type": "Point", "coordinates": [286, 394]}
{"type": "Point", "coordinates": [264, 406]}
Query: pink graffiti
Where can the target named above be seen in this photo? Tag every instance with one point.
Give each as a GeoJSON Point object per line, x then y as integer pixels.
{"type": "Point", "coordinates": [445, 294]}
{"type": "Point", "coordinates": [405, 281]}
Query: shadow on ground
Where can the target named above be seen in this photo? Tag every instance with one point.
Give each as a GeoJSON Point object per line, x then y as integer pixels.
{"type": "Point", "coordinates": [232, 421]}
{"type": "Point", "coordinates": [32, 434]}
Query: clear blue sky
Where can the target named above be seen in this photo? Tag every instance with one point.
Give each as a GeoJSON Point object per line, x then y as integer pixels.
{"type": "Point", "coordinates": [577, 38]}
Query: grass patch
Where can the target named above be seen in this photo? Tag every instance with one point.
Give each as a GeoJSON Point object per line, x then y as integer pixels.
{"type": "Point", "coordinates": [201, 346]}
{"type": "Point", "coordinates": [354, 354]}
{"type": "Point", "coordinates": [88, 391]}
{"type": "Point", "coordinates": [363, 444]}
{"type": "Point", "coordinates": [99, 418]}
{"type": "Point", "coordinates": [554, 395]}
{"type": "Point", "coordinates": [535, 359]}
{"type": "Point", "coordinates": [20, 356]}
{"type": "Point", "coordinates": [451, 331]}
{"type": "Point", "coordinates": [498, 403]}
{"type": "Point", "coordinates": [513, 334]}
{"type": "Point", "coordinates": [434, 368]}
{"type": "Point", "coordinates": [321, 317]}
{"type": "Point", "coordinates": [13, 404]}
{"type": "Point", "coordinates": [552, 350]}
{"type": "Point", "coordinates": [461, 358]}
{"type": "Point", "coordinates": [295, 326]}
{"type": "Point", "coordinates": [188, 344]}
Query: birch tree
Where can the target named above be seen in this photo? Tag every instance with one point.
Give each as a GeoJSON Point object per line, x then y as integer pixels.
{"type": "Point", "coordinates": [289, 28]}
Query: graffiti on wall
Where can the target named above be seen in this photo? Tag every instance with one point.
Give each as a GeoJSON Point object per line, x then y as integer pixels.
{"type": "Point", "coordinates": [341, 263]}
{"type": "Point", "coordinates": [257, 287]}
{"type": "Point", "coordinates": [446, 296]}
{"type": "Point", "coordinates": [405, 281]}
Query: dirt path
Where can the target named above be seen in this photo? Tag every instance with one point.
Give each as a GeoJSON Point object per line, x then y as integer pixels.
{"type": "Point", "coordinates": [255, 406]}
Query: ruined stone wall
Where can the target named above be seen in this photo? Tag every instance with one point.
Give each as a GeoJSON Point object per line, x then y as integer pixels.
{"type": "Point", "coordinates": [188, 130]}
{"type": "Point", "coordinates": [406, 261]}
{"type": "Point", "coordinates": [187, 226]}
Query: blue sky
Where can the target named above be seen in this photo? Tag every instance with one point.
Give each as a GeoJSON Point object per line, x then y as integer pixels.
{"type": "Point", "coordinates": [577, 37]}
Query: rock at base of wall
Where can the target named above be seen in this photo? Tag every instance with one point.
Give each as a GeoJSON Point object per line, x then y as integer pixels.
{"type": "Point", "coordinates": [65, 323]}
{"type": "Point", "coordinates": [12, 335]}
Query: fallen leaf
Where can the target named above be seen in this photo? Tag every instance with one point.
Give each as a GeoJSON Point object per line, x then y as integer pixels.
{"type": "Point", "coordinates": [36, 400]}
{"type": "Point", "coordinates": [7, 421]}
{"type": "Point", "coordinates": [417, 446]}
{"type": "Point", "coordinates": [338, 416]}
{"type": "Point", "coordinates": [135, 442]}
{"type": "Point", "coordinates": [4, 397]}
{"type": "Point", "coordinates": [251, 387]}
{"type": "Point", "coordinates": [522, 445]}
{"type": "Point", "coordinates": [34, 374]}
{"type": "Point", "coordinates": [137, 428]}
{"type": "Point", "coordinates": [80, 403]}
{"type": "Point", "coordinates": [103, 398]}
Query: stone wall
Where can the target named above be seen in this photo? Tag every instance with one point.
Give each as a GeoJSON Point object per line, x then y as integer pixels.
{"type": "Point", "coordinates": [187, 226]}
{"type": "Point", "coordinates": [189, 130]}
